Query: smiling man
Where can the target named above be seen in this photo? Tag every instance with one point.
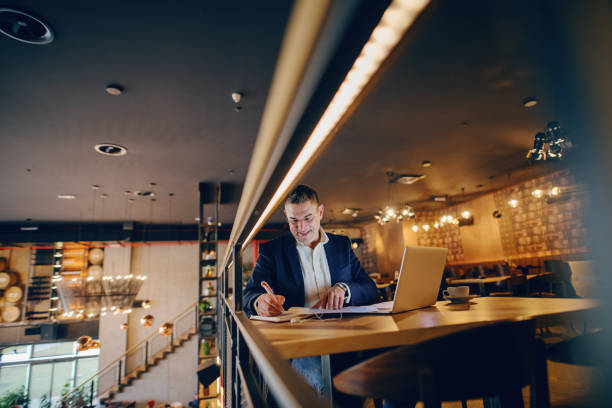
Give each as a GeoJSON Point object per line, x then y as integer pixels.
{"type": "Point", "coordinates": [308, 267]}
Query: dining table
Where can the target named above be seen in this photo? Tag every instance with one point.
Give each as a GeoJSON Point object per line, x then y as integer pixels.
{"type": "Point", "coordinates": [481, 282]}
{"type": "Point", "coordinates": [317, 336]}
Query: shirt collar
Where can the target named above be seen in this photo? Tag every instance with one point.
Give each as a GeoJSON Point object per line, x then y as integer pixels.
{"type": "Point", "coordinates": [323, 239]}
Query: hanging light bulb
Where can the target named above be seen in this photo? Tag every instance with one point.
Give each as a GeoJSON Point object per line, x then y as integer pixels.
{"type": "Point", "coordinates": [166, 329]}
{"type": "Point", "coordinates": [415, 228]}
{"type": "Point", "coordinates": [513, 203]}
{"type": "Point", "coordinates": [537, 193]}
{"type": "Point", "coordinates": [147, 320]}
{"type": "Point", "coordinates": [426, 227]}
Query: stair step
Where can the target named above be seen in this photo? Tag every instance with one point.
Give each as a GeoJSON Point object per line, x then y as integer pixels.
{"type": "Point", "coordinates": [153, 361]}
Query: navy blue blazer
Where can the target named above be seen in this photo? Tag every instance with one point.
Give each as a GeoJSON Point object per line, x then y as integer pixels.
{"type": "Point", "coordinates": [278, 264]}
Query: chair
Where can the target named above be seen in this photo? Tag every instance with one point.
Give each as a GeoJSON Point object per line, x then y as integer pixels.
{"type": "Point", "coordinates": [515, 282]}
{"type": "Point", "coordinates": [455, 367]}
{"type": "Point", "coordinates": [556, 284]}
{"type": "Point", "coordinates": [480, 271]}
{"type": "Point", "coordinates": [585, 349]}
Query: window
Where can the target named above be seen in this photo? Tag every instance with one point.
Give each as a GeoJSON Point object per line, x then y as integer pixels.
{"type": "Point", "coordinates": [40, 382]}
{"type": "Point", "coordinates": [13, 377]}
{"type": "Point", "coordinates": [15, 353]}
{"type": "Point", "coordinates": [46, 369]}
{"type": "Point", "coordinates": [53, 349]}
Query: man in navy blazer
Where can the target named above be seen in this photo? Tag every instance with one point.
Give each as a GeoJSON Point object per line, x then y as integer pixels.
{"type": "Point", "coordinates": [308, 267]}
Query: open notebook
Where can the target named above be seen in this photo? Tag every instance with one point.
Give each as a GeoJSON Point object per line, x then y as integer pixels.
{"type": "Point", "coordinates": [417, 286]}
{"type": "Point", "coordinates": [287, 315]}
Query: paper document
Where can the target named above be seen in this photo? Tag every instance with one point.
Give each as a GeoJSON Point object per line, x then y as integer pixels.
{"type": "Point", "coordinates": [375, 308]}
{"type": "Point", "coordinates": [286, 316]}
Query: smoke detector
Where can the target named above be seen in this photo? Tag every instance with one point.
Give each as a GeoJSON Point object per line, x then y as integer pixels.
{"type": "Point", "coordinates": [25, 27]}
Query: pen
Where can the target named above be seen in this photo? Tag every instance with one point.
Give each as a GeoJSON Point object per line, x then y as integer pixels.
{"type": "Point", "coordinates": [268, 289]}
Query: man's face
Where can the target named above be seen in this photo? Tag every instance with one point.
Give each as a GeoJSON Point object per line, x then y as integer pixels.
{"type": "Point", "coordinates": [304, 221]}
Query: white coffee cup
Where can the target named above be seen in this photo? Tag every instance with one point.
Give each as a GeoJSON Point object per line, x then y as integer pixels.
{"type": "Point", "coordinates": [457, 291]}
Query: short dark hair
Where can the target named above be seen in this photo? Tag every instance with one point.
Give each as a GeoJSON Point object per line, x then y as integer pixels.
{"type": "Point", "coordinates": [301, 194]}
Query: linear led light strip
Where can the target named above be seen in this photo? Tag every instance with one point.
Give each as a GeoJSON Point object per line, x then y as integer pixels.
{"type": "Point", "coordinates": [395, 21]}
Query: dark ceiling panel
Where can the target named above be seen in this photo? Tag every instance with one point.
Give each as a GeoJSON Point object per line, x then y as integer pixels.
{"type": "Point", "coordinates": [178, 62]}
{"type": "Point", "coordinates": [452, 95]}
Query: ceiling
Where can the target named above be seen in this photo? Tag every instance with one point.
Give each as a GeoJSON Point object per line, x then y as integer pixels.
{"type": "Point", "coordinates": [452, 94]}
{"type": "Point", "coordinates": [178, 62]}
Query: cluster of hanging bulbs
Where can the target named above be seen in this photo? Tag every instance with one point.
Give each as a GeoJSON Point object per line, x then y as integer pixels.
{"type": "Point", "coordinates": [390, 213]}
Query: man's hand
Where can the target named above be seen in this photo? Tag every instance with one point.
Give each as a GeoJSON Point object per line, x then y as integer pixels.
{"type": "Point", "coordinates": [269, 305]}
{"type": "Point", "coordinates": [333, 299]}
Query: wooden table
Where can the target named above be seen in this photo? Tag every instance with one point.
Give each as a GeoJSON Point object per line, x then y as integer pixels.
{"type": "Point", "coordinates": [362, 332]}
{"type": "Point", "coordinates": [481, 282]}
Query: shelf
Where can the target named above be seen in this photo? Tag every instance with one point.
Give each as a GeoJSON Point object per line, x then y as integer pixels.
{"type": "Point", "coordinates": [208, 296]}
{"type": "Point", "coordinates": [208, 262]}
{"type": "Point", "coordinates": [207, 279]}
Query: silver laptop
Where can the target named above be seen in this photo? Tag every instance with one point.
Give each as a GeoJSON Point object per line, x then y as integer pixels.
{"type": "Point", "coordinates": [418, 282]}
{"type": "Point", "coordinates": [417, 285]}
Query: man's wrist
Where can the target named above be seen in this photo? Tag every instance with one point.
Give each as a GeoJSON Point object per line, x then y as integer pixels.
{"type": "Point", "coordinates": [347, 291]}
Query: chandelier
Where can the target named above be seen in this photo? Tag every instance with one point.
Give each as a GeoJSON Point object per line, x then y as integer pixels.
{"type": "Point", "coordinates": [391, 213]}
{"type": "Point", "coordinates": [91, 297]}
{"type": "Point", "coordinates": [550, 144]}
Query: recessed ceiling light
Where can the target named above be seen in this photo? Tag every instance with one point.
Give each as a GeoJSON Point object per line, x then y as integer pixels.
{"type": "Point", "coordinates": [110, 149]}
{"type": "Point", "coordinates": [114, 89]}
{"type": "Point", "coordinates": [144, 193]}
{"type": "Point", "coordinates": [24, 27]}
{"type": "Point", "coordinates": [440, 198]}
{"type": "Point", "coordinates": [426, 163]}
{"type": "Point", "coordinates": [66, 196]}
{"type": "Point", "coordinates": [530, 102]}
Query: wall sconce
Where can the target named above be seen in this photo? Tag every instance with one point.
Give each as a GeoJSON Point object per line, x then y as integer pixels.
{"type": "Point", "coordinates": [466, 219]}
{"type": "Point", "coordinates": [356, 242]}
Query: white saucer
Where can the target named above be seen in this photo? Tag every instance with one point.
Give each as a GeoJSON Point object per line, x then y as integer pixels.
{"type": "Point", "coordinates": [461, 299]}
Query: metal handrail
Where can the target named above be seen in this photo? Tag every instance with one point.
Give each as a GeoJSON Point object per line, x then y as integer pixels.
{"type": "Point", "coordinates": [119, 359]}
{"type": "Point", "coordinates": [287, 386]}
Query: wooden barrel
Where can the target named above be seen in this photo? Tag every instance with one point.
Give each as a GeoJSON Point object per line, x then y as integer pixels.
{"type": "Point", "coordinates": [94, 271]}
{"type": "Point", "coordinates": [96, 255]}
{"type": "Point", "coordinates": [7, 279]}
{"type": "Point", "coordinates": [11, 313]}
{"type": "Point", "coordinates": [13, 294]}
{"type": "Point", "coordinates": [74, 264]}
{"type": "Point", "coordinates": [75, 252]}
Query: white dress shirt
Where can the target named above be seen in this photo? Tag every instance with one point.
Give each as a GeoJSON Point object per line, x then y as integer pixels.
{"type": "Point", "coordinates": [315, 271]}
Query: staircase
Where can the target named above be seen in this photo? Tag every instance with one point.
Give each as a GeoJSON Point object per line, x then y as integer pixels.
{"type": "Point", "coordinates": [138, 360]}
{"type": "Point", "coordinates": [152, 362]}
